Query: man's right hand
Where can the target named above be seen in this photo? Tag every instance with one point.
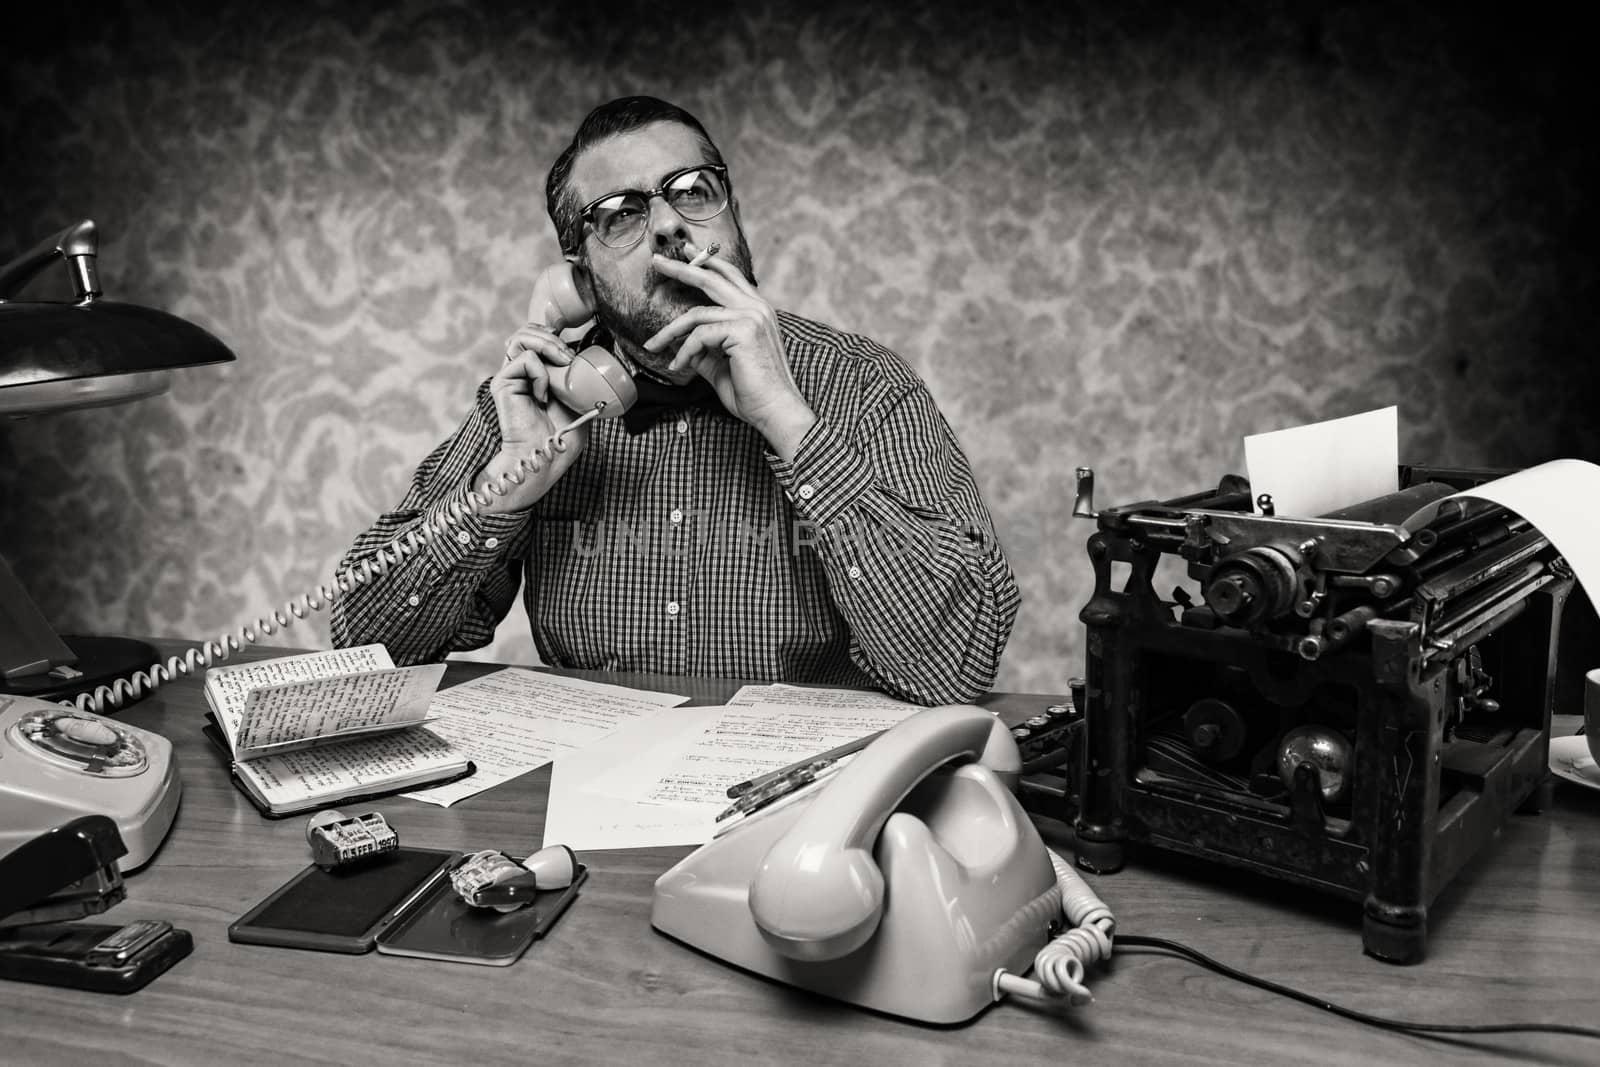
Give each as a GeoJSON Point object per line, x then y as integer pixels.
{"type": "Point", "coordinates": [528, 419]}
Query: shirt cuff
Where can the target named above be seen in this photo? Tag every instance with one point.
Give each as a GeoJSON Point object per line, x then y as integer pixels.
{"type": "Point", "coordinates": [826, 476]}
{"type": "Point", "coordinates": [473, 542]}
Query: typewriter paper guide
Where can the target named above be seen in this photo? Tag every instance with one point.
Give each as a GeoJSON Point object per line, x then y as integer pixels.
{"type": "Point", "coordinates": [1561, 499]}
{"type": "Point", "coordinates": [1322, 467]}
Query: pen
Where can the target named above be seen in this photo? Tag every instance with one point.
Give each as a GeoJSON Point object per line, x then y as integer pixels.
{"type": "Point", "coordinates": [772, 795]}
{"type": "Point", "coordinates": [849, 748]}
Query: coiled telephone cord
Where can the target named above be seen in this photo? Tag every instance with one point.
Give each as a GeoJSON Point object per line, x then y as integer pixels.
{"type": "Point", "coordinates": [1059, 966]}
{"type": "Point", "coordinates": [105, 698]}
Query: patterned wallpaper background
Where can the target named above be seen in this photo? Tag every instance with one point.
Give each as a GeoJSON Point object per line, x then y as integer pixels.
{"type": "Point", "coordinates": [1104, 233]}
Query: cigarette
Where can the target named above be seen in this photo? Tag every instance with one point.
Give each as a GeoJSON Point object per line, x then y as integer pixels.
{"type": "Point", "coordinates": [705, 253]}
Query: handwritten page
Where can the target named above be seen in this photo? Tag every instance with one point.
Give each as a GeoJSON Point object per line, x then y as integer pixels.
{"type": "Point", "coordinates": [624, 776]}
{"type": "Point", "coordinates": [303, 712]}
{"type": "Point", "coordinates": [747, 741]}
{"type": "Point", "coordinates": [228, 687]}
{"type": "Point", "coordinates": [517, 720]}
{"type": "Point", "coordinates": [337, 769]}
{"type": "Point", "coordinates": [1321, 467]}
{"type": "Point", "coordinates": [814, 696]}
{"type": "Point", "coordinates": [589, 819]}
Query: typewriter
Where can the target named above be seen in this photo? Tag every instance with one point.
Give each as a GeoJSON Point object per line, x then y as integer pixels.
{"type": "Point", "coordinates": [1354, 703]}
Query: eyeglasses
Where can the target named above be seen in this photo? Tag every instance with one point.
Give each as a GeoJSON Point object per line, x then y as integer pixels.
{"type": "Point", "coordinates": [698, 193]}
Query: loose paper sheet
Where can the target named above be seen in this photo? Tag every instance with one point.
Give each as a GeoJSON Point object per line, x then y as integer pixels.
{"type": "Point", "coordinates": [517, 720]}
{"type": "Point", "coordinates": [628, 776]}
{"type": "Point", "coordinates": [664, 781]}
{"type": "Point", "coordinates": [1314, 469]}
{"type": "Point", "coordinates": [815, 696]}
{"type": "Point", "coordinates": [589, 820]}
{"type": "Point", "coordinates": [748, 741]}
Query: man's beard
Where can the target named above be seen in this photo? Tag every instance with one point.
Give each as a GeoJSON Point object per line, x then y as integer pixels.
{"type": "Point", "coordinates": [633, 317]}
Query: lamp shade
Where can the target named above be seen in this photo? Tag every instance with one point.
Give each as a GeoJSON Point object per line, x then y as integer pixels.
{"type": "Point", "coordinates": [56, 355]}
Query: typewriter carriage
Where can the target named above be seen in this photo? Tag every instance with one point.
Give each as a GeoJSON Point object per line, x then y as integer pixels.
{"type": "Point", "coordinates": [1423, 658]}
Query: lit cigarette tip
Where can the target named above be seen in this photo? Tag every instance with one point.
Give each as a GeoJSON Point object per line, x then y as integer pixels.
{"type": "Point", "coordinates": [705, 253]}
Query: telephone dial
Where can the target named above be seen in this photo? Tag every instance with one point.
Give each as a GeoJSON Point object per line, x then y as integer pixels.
{"type": "Point", "coordinates": [912, 882]}
{"type": "Point", "coordinates": [58, 763]}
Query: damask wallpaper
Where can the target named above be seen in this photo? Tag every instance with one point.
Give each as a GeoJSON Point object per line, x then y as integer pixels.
{"type": "Point", "coordinates": [1105, 234]}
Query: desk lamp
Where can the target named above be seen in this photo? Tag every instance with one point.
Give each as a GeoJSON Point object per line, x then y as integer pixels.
{"type": "Point", "coordinates": [56, 356]}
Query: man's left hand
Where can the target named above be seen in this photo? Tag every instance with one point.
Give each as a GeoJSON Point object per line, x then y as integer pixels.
{"type": "Point", "coordinates": [734, 343]}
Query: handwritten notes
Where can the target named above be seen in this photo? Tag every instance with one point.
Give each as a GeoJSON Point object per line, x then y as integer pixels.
{"type": "Point", "coordinates": [747, 741]}
{"type": "Point", "coordinates": [306, 711]}
{"type": "Point", "coordinates": [228, 687]}
{"type": "Point", "coordinates": [662, 781]}
{"type": "Point", "coordinates": [388, 760]}
{"type": "Point", "coordinates": [516, 720]}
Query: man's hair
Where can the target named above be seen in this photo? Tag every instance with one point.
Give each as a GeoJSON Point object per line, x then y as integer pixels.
{"type": "Point", "coordinates": [620, 116]}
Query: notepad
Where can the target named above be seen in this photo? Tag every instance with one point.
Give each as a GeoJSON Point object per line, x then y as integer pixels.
{"type": "Point", "coordinates": [306, 731]}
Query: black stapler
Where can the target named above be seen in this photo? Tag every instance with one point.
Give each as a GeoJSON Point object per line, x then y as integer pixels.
{"type": "Point", "coordinates": [65, 874]}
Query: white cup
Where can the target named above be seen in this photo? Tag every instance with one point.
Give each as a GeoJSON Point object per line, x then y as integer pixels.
{"type": "Point", "coordinates": [1591, 712]}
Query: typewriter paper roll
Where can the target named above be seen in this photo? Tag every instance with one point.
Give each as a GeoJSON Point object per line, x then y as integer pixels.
{"type": "Point", "coordinates": [1562, 501]}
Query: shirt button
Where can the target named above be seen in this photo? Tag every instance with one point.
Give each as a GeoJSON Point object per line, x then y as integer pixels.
{"type": "Point", "coordinates": [806, 492]}
{"type": "Point", "coordinates": [676, 516]}
{"type": "Point", "coordinates": [854, 572]}
{"type": "Point", "coordinates": [413, 600]}
{"type": "Point", "coordinates": [683, 425]}
{"type": "Point", "coordinates": [673, 608]}
{"type": "Point", "coordinates": [463, 537]}
{"type": "Point", "coordinates": [493, 542]}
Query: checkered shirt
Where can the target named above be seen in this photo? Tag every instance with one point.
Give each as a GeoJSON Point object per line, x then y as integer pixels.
{"type": "Point", "coordinates": [690, 548]}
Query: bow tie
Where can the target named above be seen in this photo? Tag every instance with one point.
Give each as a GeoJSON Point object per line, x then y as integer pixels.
{"type": "Point", "coordinates": [658, 398]}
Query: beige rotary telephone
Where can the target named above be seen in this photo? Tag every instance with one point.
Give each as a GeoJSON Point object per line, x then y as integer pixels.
{"type": "Point", "coordinates": [911, 882]}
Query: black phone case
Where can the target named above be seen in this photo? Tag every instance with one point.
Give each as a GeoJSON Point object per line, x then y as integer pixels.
{"type": "Point", "coordinates": [441, 926]}
{"type": "Point", "coordinates": [334, 910]}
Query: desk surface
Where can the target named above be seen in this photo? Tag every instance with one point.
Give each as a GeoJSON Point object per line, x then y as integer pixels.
{"type": "Point", "coordinates": [1516, 937]}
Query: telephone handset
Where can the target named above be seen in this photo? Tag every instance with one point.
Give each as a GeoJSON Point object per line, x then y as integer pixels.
{"type": "Point", "coordinates": [594, 379]}
{"type": "Point", "coordinates": [911, 882]}
{"type": "Point", "coordinates": [818, 894]}
{"type": "Point", "coordinates": [594, 386]}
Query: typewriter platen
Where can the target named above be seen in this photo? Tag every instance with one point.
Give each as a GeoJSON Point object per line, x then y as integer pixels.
{"type": "Point", "coordinates": [1354, 703]}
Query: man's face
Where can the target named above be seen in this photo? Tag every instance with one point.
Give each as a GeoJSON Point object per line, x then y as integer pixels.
{"type": "Point", "coordinates": [632, 300]}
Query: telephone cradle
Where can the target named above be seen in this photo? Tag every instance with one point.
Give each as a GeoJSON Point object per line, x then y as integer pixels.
{"type": "Point", "coordinates": [911, 882]}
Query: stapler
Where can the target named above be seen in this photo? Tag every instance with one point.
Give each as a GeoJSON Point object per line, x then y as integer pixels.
{"type": "Point", "coordinates": [64, 874]}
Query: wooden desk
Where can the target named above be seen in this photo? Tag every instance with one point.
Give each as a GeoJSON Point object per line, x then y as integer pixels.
{"type": "Point", "coordinates": [1515, 938]}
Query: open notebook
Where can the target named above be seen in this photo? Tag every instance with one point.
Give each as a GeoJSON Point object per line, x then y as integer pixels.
{"type": "Point", "coordinates": [307, 731]}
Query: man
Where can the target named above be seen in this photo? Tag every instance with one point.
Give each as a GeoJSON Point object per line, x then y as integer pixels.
{"type": "Point", "coordinates": [785, 502]}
